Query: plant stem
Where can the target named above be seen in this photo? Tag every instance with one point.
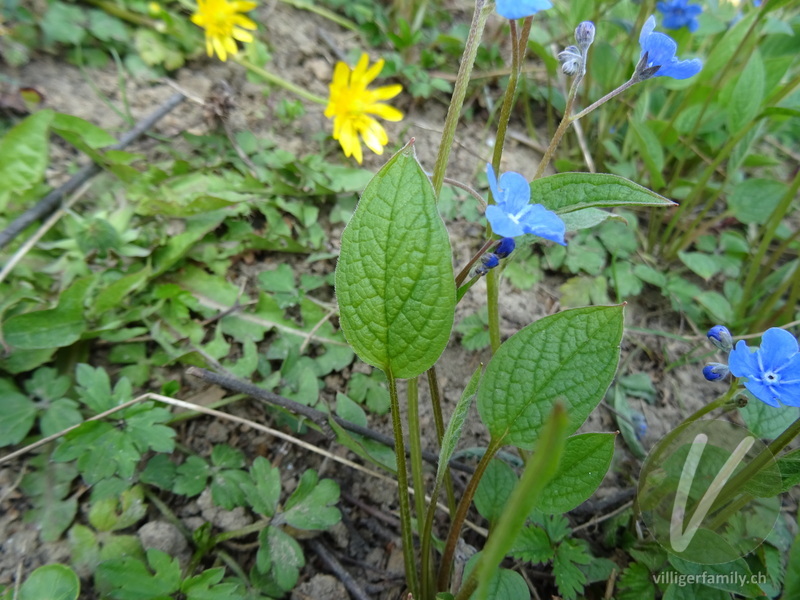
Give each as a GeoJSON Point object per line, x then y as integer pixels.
{"type": "Point", "coordinates": [461, 514]}
{"type": "Point", "coordinates": [459, 92]}
{"type": "Point", "coordinates": [438, 419]}
{"type": "Point", "coordinates": [280, 81]}
{"type": "Point", "coordinates": [415, 447]}
{"type": "Point", "coordinates": [406, 533]}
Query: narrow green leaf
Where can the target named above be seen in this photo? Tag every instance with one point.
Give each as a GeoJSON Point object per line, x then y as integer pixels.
{"type": "Point", "coordinates": [748, 94]}
{"type": "Point", "coordinates": [569, 192]}
{"type": "Point", "coordinates": [394, 279]}
{"type": "Point", "coordinates": [76, 130]}
{"type": "Point", "coordinates": [454, 427]}
{"type": "Point", "coordinates": [569, 357]}
{"type": "Point", "coordinates": [583, 466]}
{"type": "Point", "coordinates": [539, 470]}
{"type": "Point", "coordinates": [24, 154]}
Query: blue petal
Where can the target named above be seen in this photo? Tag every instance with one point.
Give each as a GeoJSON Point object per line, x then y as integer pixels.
{"type": "Point", "coordinates": [545, 223]}
{"type": "Point", "coordinates": [647, 29]}
{"type": "Point", "coordinates": [516, 9]}
{"type": "Point", "coordinates": [673, 21]}
{"type": "Point", "coordinates": [778, 346]}
{"type": "Point", "coordinates": [694, 10]}
{"type": "Point", "coordinates": [660, 48]}
{"type": "Point", "coordinates": [492, 181]}
{"type": "Point", "coordinates": [762, 392]}
{"type": "Point", "coordinates": [515, 192]}
{"type": "Point", "coordinates": [663, 7]}
{"type": "Point", "coordinates": [693, 25]}
{"type": "Point", "coordinates": [681, 69]}
{"type": "Point", "coordinates": [742, 362]}
{"type": "Point", "coordinates": [501, 223]}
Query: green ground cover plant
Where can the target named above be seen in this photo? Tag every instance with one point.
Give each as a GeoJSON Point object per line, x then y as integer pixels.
{"type": "Point", "coordinates": [667, 139]}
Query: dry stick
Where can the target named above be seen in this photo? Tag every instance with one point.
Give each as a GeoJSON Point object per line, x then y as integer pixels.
{"type": "Point", "coordinates": [49, 203]}
{"type": "Point", "coordinates": [334, 565]}
{"type": "Point", "coordinates": [314, 415]}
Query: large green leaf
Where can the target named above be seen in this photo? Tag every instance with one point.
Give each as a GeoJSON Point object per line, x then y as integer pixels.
{"type": "Point", "coordinates": [24, 153]}
{"type": "Point", "coordinates": [569, 357]}
{"type": "Point", "coordinates": [568, 192]}
{"type": "Point", "coordinates": [394, 279]}
{"type": "Point", "coordinates": [745, 101]}
{"type": "Point", "coordinates": [55, 582]}
{"type": "Point", "coordinates": [583, 466]}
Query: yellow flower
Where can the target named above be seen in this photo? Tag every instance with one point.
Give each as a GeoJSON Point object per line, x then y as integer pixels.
{"type": "Point", "coordinates": [351, 104]}
{"type": "Point", "coordinates": [223, 25]}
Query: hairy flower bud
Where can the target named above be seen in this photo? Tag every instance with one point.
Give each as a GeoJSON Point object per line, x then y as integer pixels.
{"type": "Point", "coordinates": [721, 337]}
{"type": "Point", "coordinates": [584, 35]}
{"type": "Point", "coordinates": [505, 247]}
{"type": "Point", "coordinates": [715, 371]}
{"type": "Point", "coordinates": [571, 60]}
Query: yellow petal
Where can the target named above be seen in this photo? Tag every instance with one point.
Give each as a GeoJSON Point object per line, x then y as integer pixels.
{"type": "Point", "coordinates": [373, 72]}
{"type": "Point", "coordinates": [220, 49]}
{"type": "Point", "coordinates": [375, 136]}
{"type": "Point", "coordinates": [242, 35]}
{"type": "Point", "coordinates": [384, 111]}
{"type": "Point", "coordinates": [341, 75]}
{"type": "Point", "coordinates": [209, 47]}
{"type": "Point", "coordinates": [359, 72]}
{"type": "Point", "coordinates": [386, 92]}
{"type": "Point", "coordinates": [230, 45]}
{"type": "Point", "coordinates": [243, 21]}
{"type": "Point", "coordinates": [242, 6]}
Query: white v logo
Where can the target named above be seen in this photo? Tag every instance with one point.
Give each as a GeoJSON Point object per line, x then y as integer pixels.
{"type": "Point", "coordinates": [679, 538]}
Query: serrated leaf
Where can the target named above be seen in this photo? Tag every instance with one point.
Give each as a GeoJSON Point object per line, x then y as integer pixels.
{"type": "Point", "coordinates": [227, 488]}
{"type": "Point", "coordinates": [280, 556]}
{"type": "Point", "coordinates": [24, 154]}
{"type": "Point", "coordinates": [532, 545]}
{"type": "Point", "coordinates": [191, 476]}
{"type": "Point", "coordinates": [128, 578]}
{"type": "Point", "coordinates": [635, 583]}
{"type": "Point", "coordinates": [569, 357]}
{"type": "Point", "coordinates": [19, 413]}
{"type": "Point", "coordinates": [570, 192]}
{"type": "Point", "coordinates": [310, 505]}
{"type": "Point", "coordinates": [583, 466]}
{"type": "Point", "coordinates": [264, 492]}
{"type": "Point", "coordinates": [394, 279]}
{"type": "Point", "coordinates": [569, 578]}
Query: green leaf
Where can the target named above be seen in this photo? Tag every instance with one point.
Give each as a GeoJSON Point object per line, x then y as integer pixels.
{"type": "Point", "coordinates": [64, 23]}
{"type": "Point", "coordinates": [754, 200]}
{"type": "Point", "coordinates": [570, 192]}
{"type": "Point", "coordinates": [52, 328]}
{"type": "Point", "coordinates": [569, 578]}
{"type": "Point", "coordinates": [280, 556]}
{"type": "Point", "coordinates": [394, 279]}
{"type": "Point", "coordinates": [636, 583]}
{"type": "Point", "coordinates": [767, 421]}
{"type": "Point", "coordinates": [701, 263]}
{"type": "Point", "coordinates": [128, 578]}
{"type": "Point", "coordinates": [52, 517]}
{"type": "Point", "coordinates": [569, 357]}
{"type": "Point", "coordinates": [583, 466]}
{"type": "Point", "coordinates": [312, 504]}
{"type": "Point", "coordinates": [651, 151]}
{"type": "Point", "coordinates": [24, 154]}
{"type": "Point", "coordinates": [532, 545]}
{"type": "Point", "coordinates": [453, 431]}
{"type": "Point", "coordinates": [737, 571]}
{"type": "Point", "coordinates": [587, 218]}
{"type": "Point", "coordinates": [191, 477]}
{"type": "Point", "coordinates": [19, 413]}
{"type": "Point", "coordinates": [76, 130]}
{"type": "Point", "coordinates": [747, 95]}
{"type": "Point", "coordinates": [51, 582]}
{"type": "Point", "coordinates": [227, 488]}
{"type": "Point", "coordinates": [494, 489]}
{"type": "Point", "coordinates": [264, 492]}
{"type": "Point", "coordinates": [505, 583]}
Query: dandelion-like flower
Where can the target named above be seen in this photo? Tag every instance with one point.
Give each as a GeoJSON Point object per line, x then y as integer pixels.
{"type": "Point", "coordinates": [679, 13]}
{"type": "Point", "coordinates": [351, 104]}
{"type": "Point", "coordinates": [514, 215]}
{"type": "Point", "coordinates": [658, 56]}
{"type": "Point", "coordinates": [516, 9]}
{"type": "Point", "coordinates": [224, 24]}
{"type": "Point", "coordinates": [773, 370]}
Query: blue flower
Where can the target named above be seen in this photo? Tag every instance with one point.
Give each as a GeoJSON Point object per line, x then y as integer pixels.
{"type": "Point", "coordinates": [721, 337]}
{"type": "Point", "coordinates": [773, 370]}
{"type": "Point", "coordinates": [514, 215]}
{"type": "Point", "coordinates": [658, 56]}
{"type": "Point", "coordinates": [679, 13]}
{"type": "Point", "coordinates": [516, 9]}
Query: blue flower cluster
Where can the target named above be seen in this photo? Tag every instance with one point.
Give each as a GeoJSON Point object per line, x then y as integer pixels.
{"type": "Point", "coordinates": [679, 13]}
{"type": "Point", "coordinates": [772, 370]}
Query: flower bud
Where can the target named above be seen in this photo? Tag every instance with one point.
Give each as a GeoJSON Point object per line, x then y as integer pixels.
{"type": "Point", "coordinates": [505, 247]}
{"type": "Point", "coordinates": [571, 60]}
{"type": "Point", "coordinates": [639, 424]}
{"type": "Point", "coordinates": [715, 371]}
{"type": "Point", "coordinates": [490, 260]}
{"type": "Point", "coordinates": [584, 35]}
{"type": "Point", "coordinates": [721, 337]}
